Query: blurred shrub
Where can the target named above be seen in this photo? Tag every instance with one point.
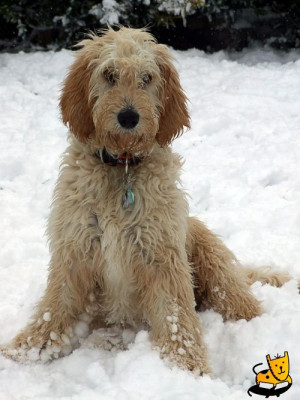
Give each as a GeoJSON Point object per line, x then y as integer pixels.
{"type": "Point", "coordinates": [206, 24]}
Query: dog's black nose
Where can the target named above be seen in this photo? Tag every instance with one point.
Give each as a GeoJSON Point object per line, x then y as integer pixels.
{"type": "Point", "coordinates": [128, 118]}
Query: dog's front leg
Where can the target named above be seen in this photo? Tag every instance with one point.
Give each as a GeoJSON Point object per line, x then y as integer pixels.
{"type": "Point", "coordinates": [69, 293]}
{"type": "Point", "coordinates": [167, 301]}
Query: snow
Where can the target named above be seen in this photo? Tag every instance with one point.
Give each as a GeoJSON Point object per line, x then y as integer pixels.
{"type": "Point", "coordinates": [47, 316]}
{"type": "Point", "coordinates": [242, 173]}
{"type": "Point", "coordinates": [108, 12]}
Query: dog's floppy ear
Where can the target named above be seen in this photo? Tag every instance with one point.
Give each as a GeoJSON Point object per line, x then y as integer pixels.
{"type": "Point", "coordinates": [75, 106]}
{"type": "Point", "coordinates": [174, 116]}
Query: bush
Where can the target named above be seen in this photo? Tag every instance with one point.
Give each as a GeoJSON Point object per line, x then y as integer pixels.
{"type": "Point", "coordinates": [206, 24]}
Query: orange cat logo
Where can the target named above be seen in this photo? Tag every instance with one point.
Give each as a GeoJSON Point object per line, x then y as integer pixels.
{"type": "Point", "coordinates": [275, 380]}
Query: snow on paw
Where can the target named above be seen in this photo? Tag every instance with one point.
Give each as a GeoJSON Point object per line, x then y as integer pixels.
{"type": "Point", "coordinates": [33, 346]}
{"type": "Point", "coordinates": [186, 355]}
{"type": "Point", "coordinates": [15, 354]}
{"type": "Point", "coordinates": [107, 339]}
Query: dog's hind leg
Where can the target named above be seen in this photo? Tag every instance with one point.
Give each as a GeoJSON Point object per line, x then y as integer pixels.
{"type": "Point", "coordinates": [219, 282]}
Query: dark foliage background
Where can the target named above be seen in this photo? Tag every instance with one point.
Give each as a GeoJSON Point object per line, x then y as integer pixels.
{"type": "Point", "coordinates": [209, 25]}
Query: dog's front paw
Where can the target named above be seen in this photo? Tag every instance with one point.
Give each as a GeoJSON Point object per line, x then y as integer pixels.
{"type": "Point", "coordinates": [186, 356]}
{"type": "Point", "coordinates": [23, 353]}
{"type": "Point", "coordinates": [186, 350]}
{"type": "Point", "coordinates": [38, 345]}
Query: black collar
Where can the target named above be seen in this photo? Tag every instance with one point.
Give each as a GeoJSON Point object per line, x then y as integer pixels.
{"type": "Point", "coordinates": [119, 161]}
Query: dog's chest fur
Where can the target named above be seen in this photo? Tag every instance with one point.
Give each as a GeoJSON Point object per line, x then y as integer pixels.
{"type": "Point", "coordinates": [127, 239]}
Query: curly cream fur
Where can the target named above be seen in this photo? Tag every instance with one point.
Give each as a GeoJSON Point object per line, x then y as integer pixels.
{"type": "Point", "coordinates": [148, 263]}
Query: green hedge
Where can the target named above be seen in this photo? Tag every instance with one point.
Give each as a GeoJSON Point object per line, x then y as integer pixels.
{"type": "Point", "coordinates": [206, 24]}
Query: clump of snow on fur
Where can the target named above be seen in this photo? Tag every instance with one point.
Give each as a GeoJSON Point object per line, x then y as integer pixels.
{"type": "Point", "coordinates": [47, 316]}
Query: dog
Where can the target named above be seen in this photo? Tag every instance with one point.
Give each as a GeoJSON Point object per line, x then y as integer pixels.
{"type": "Point", "coordinates": [124, 250]}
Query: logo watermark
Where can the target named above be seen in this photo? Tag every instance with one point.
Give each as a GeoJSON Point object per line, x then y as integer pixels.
{"type": "Point", "coordinates": [275, 380]}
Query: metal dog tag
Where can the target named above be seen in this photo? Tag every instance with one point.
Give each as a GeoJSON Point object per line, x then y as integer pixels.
{"type": "Point", "coordinates": [128, 196]}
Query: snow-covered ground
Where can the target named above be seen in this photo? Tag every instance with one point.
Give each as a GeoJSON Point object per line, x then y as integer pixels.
{"type": "Point", "coordinates": [242, 171]}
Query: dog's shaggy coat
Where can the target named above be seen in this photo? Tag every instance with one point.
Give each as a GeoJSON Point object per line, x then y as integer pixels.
{"type": "Point", "coordinates": [149, 262]}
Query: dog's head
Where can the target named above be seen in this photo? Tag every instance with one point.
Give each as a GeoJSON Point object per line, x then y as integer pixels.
{"type": "Point", "coordinates": [123, 93]}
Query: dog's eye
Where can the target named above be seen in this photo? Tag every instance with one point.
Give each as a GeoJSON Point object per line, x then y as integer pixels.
{"type": "Point", "coordinates": [110, 76]}
{"type": "Point", "coordinates": [147, 79]}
